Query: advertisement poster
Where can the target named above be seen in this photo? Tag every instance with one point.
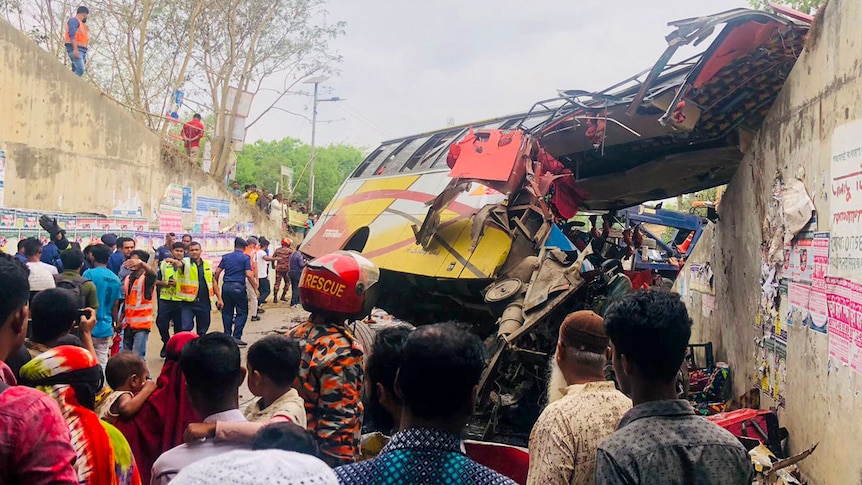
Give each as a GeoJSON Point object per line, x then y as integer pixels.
{"type": "Point", "coordinates": [86, 224]}
{"type": "Point", "coordinates": [818, 316]}
{"type": "Point", "coordinates": [170, 221]}
{"type": "Point", "coordinates": [797, 308]}
{"type": "Point", "coordinates": [844, 301]}
{"type": "Point", "coordinates": [187, 200]}
{"type": "Point", "coordinates": [802, 257]}
{"type": "Point", "coordinates": [106, 225]}
{"type": "Point", "coordinates": [69, 223]}
{"type": "Point", "coordinates": [208, 206]}
{"type": "Point", "coordinates": [7, 218]}
{"type": "Point", "coordinates": [3, 162]}
{"type": "Point", "coordinates": [845, 201]}
{"type": "Point", "coordinates": [174, 198]}
{"type": "Point", "coordinates": [820, 245]}
{"type": "Point", "coordinates": [779, 373]}
{"type": "Point", "coordinates": [767, 365]}
{"type": "Point", "coordinates": [785, 313]}
{"type": "Point", "coordinates": [840, 332]}
{"type": "Point", "coordinates": [707, 305]}
{"type": "Point", "coordinates": [26, 220]}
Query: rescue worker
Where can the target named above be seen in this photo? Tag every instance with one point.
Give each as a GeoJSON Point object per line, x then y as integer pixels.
{"type": "Point", "coordinates": [170, 302]}
{"type": "Point", "coordinates": [77, 39]}
{"type": "Point", "coordinates": [138, 289]}
{"type": "Point", "coordinates": [282, 266]}
{"type": "Point", "coordinates": [336, 287]}
{"type": "Point", "coordinates": [196, 286]}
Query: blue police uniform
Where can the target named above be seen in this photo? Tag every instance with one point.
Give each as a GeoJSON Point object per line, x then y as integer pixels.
{"type": "Point", "coordinates": [235, 311]}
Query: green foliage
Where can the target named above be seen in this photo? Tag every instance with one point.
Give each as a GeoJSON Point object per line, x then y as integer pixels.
{"type": "Point", "coordinates": [806, 6]}
{"type": "Point", "coordinates": [260, 163]}
{"type": "Point", "coordinates": [683, 202]}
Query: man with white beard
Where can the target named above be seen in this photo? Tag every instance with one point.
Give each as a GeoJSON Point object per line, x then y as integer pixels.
{"type": "Point", "coordinates": [584, 407]}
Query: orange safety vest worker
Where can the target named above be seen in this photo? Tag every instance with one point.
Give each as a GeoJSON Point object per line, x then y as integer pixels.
{"type": "Point", "coordinates": [139, 309]}
{"type": "Point", "coordinates": [251, 252]}
{"type": "Point", "coordinates": [82, 35]}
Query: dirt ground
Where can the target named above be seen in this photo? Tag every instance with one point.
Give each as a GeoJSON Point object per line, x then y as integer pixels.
{"type": "Point", "coordinates": [277, 319]}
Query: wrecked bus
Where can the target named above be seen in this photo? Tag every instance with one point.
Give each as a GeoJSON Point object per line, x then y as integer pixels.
{"type": "Point", "coordinates": [478, 223]}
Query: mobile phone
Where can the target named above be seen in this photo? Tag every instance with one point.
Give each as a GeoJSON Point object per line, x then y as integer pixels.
{"type": "Point", "coordinates": [83, 312]}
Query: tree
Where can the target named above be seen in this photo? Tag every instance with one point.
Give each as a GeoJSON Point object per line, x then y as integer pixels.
{"type": "Point", "coordinates": [805, 6]}
{"type": "Point", "coordinates": [684, 202]}
{"type": "Point", "coordinates": [248, 42]}
{"type": "Point", "coordinates": [142, 51]}
{"type": "Point", "coordinates": [260, 163]}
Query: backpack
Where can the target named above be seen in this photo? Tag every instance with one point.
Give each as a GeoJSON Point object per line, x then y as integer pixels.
{"type": "Point", "coordinates": [76, 287]}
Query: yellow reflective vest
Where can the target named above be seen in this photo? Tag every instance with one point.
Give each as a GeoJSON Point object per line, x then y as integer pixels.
{"type": "Point", "coordinates": [170, 293]}
{"type": "Point", "coordinates": [189, 280]}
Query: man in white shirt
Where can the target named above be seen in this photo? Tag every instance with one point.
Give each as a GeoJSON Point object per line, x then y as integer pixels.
{"type": "Point", "coordinates": [262, 259]}
{"type": "Point", "coordinates": [211, 366]}
{"type": "Point", "coordinates": [41, 274]}
{"type": "Point", "coordinates": [277, 212]}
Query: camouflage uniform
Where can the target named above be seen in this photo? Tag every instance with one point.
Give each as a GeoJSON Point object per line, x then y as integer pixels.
{"type": "Point", "coordinates": [330, 382]}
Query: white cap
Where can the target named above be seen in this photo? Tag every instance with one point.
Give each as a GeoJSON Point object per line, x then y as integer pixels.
{"type": "Point", "coordinates": [244, 467]}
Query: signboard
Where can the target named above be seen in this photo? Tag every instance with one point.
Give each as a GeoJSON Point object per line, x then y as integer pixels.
{"type": "Point", "coordinates": [287, 172]}
{"type": "Point", "coordinates": [245, 100]}
{"type": "Point", "coordinates": [845, 258]}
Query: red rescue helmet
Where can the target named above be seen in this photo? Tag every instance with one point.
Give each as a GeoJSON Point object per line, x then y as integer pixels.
{"type": "Point", "coordinates": [342, 283]}
{"type": "Point", "coordinates": [286, 242]}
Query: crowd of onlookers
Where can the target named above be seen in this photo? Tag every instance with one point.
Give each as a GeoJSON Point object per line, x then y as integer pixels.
{"type": "Point", "coordinates": [71, 415]}
{"type": "Point", "coordinates": [276, 207]}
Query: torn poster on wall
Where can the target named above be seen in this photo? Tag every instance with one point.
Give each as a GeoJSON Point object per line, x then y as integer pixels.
{"type": "Point", "coordinates": [772, 368]}
{"type": "Point", "coordinates": [779, 372]}
{"type": "Point", "coordinates": [845, 204]}
{"type": "Point", "coordinates": [701, 278]}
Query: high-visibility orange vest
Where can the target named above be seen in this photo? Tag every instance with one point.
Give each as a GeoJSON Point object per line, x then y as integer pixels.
{"type": "Point", "coordinates": [82, 35]}
{"type": "Point", "coordinates": [139, 310]}
{"type": "Point", "coordinates": [251, 252]}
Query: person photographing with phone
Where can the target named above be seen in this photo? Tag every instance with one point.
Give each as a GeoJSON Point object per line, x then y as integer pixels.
{"type": "Point", "coordinates": [55, 314]}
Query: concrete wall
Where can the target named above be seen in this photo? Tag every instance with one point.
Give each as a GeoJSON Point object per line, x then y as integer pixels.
{"type": "Point", "coordinates": [822, 400]}
{"type": "Point", "coordinates": [70, 149]}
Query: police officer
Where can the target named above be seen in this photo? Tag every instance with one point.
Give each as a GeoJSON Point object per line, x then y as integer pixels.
{"type": "Point", "coordinates": [196, 288]}
{"type": "Point", "coordinates": [170, 301]}
{"type": "Point", "coordinates": [232, 298]}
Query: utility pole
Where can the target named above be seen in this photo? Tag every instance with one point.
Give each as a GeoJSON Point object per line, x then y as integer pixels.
{"type": "Point", "coordinates": [316, 81]}
{"type": "Point", "coordinates": [313, 148]}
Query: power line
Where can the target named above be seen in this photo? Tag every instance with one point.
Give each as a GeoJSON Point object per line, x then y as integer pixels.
{"type": "Point", "coordinates": [349, 110]}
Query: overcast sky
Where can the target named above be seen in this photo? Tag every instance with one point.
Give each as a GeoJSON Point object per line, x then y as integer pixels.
{"type": "Point", "coordinates": [409, 66]}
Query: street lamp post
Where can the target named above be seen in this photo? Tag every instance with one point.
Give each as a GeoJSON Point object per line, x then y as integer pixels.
{"type": "Point", "coordinates": [316, 81]}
